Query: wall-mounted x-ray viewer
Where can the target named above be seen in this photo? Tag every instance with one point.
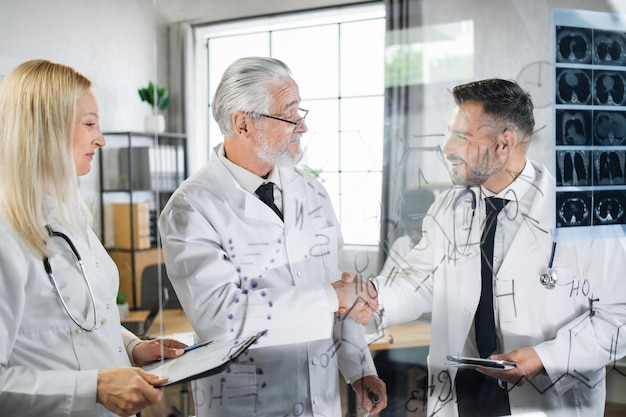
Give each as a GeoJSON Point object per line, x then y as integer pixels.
{"type": "Point", "coordinates": [589, 129]}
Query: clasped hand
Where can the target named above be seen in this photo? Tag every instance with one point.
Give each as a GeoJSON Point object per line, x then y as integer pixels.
{"type": "Point", "coordinates": [357, 297]}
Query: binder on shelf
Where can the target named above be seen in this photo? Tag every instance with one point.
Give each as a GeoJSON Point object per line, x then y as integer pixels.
{"type": "Point", "coordinates": [122, 226]}
{"type": "Point", "coordinates": [142, 168]}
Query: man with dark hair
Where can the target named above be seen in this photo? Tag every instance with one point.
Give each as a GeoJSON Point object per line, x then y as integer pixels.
{"type": "Point", "coordinates": [499, 282]}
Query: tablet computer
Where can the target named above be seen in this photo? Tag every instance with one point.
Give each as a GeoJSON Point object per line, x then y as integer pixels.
{"type": "Point", "coordinates": [465, 362]}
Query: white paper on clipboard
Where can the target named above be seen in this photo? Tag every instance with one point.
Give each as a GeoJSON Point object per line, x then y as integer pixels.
{"type": "Point", "coordinates": [204, 361]}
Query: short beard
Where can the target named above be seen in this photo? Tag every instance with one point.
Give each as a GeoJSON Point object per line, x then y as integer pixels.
{"type": "Point", "coordinates": [281, 157]}
{"type": "Point", "coordinates": [485, 169]}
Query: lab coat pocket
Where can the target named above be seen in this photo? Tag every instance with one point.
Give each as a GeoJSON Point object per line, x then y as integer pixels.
{"type": "Point", "coordinates": [39, 347]}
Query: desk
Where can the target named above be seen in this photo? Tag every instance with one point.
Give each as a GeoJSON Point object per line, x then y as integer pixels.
{"type": "Point", "coordinates": [174, 321]}
{"type": "Point", "coordinates": [413, 334]}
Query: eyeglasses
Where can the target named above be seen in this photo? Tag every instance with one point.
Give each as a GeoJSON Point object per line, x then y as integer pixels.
{"type": "Point", "coordinates": [298, 123]}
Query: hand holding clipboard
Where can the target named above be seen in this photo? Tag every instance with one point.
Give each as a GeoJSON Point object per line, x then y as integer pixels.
{"type": "Point", "coordinates": [202, 359]}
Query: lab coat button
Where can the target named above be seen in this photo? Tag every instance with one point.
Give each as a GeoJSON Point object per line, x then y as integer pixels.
{"type": "Point", "coordinates": [119, 349]}
{"type": "Point", "coordinates": [316, 400]}
{"type": "Point", "coordinates": [496, 259]}
{"type": "Point", "coordinates": [314, 361]}
{"type": "Point", "coordinates": [299, 273]}
{"type": "Point", "coordinates": [466, 313]}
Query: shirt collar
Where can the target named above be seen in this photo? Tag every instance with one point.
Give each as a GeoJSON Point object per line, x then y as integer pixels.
{"type": "Point", "coordinates": [248, 181]}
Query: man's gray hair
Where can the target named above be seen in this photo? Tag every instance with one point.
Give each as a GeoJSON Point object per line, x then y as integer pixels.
{"type": "Point", "coordinates": [245, 86]}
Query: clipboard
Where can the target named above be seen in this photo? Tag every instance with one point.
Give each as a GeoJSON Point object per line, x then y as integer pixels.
{"type": "Point", "coordinates": [206, 360]}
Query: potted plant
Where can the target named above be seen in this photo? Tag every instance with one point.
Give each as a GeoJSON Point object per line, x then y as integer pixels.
{"type": "Point", "coordinates": [158, 99]}
{"type": "Point", "coordinates": [122, 305]}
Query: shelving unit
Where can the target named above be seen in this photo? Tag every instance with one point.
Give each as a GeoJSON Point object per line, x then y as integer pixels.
{"type": "Point", "coordinates": [139, 171]}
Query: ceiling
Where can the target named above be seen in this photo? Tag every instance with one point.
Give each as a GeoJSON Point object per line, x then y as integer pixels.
{"type": "Point", "coordinates": [218, 10]}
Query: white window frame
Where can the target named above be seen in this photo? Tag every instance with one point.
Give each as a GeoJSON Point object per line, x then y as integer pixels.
{"type": "Point", "coordinates": [200, 148]}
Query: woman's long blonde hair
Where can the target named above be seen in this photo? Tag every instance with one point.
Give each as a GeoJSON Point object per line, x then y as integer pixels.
{"type": "Point", "coordinates": [37, 116]}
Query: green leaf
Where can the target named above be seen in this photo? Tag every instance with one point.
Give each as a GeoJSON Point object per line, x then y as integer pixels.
{"type": "Point", "coordinates": [121, 298]}
{"type": "Point", "coordinates": [164, 103]}
{"type": "Point", "coordinates": [147, 94]}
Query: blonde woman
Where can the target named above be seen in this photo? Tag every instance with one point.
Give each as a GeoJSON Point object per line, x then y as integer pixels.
{"type": "Point", "coordinates": [63, 351]}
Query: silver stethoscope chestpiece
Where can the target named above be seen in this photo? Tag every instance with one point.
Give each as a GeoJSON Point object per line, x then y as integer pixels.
{"type": "Point", "coordinates": [548, 279]}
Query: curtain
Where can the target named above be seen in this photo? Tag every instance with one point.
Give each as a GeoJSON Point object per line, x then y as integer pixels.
{"type": "Point", "coordinates": [180, 67]}
{"type": "Point", "coordinates": [400, 97]}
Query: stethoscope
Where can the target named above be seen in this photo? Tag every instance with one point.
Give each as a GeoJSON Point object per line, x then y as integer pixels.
{"type": "Point", "coordinates": [548, 279]}
{"type": "Point", "coordinates": [455, 204]}
{"type": "Point", "coordinates": [48, 268]}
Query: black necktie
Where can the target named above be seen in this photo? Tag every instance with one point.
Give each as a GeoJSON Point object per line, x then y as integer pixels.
{"type": "Point", "coordinates": [485, 326]}
{"type": "Point", "coordinates": [477, 393]}
{"type": "Point", "coordinates": [266, 194]}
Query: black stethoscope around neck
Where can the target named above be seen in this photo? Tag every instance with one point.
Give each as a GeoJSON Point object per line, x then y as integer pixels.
{"type": "Point", "coordinates": [549, 278]}
{"type": "Point", "coordinates": [79, 261]}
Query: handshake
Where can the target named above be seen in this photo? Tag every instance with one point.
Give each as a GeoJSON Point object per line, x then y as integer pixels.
{"type": "Point", "coordinates": [358, 297]}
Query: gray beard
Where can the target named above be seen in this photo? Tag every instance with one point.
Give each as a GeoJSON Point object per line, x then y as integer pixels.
{"type": "Point", "coordinates": [281, 158]}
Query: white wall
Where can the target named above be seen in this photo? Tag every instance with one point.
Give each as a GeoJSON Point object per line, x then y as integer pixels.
{"type": "Point", "coordinates": [112, 42]}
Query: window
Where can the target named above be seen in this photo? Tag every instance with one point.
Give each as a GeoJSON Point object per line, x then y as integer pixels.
{"type": "Point", "coordinates": [337, 59]}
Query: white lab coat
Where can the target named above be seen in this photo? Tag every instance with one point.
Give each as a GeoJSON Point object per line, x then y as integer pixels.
{"type": "Point", "coordinates": [237, 269]}
{"type": "Point", "coordinates": [573, 344]}
{"type": "Point", "coordinates": [397, 254]}
{"type": "Point", "coordinates": [48, 365]}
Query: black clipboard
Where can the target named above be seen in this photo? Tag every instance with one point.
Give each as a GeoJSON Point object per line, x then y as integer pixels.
{"type": "Point", "coordinates": [203, 361]}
